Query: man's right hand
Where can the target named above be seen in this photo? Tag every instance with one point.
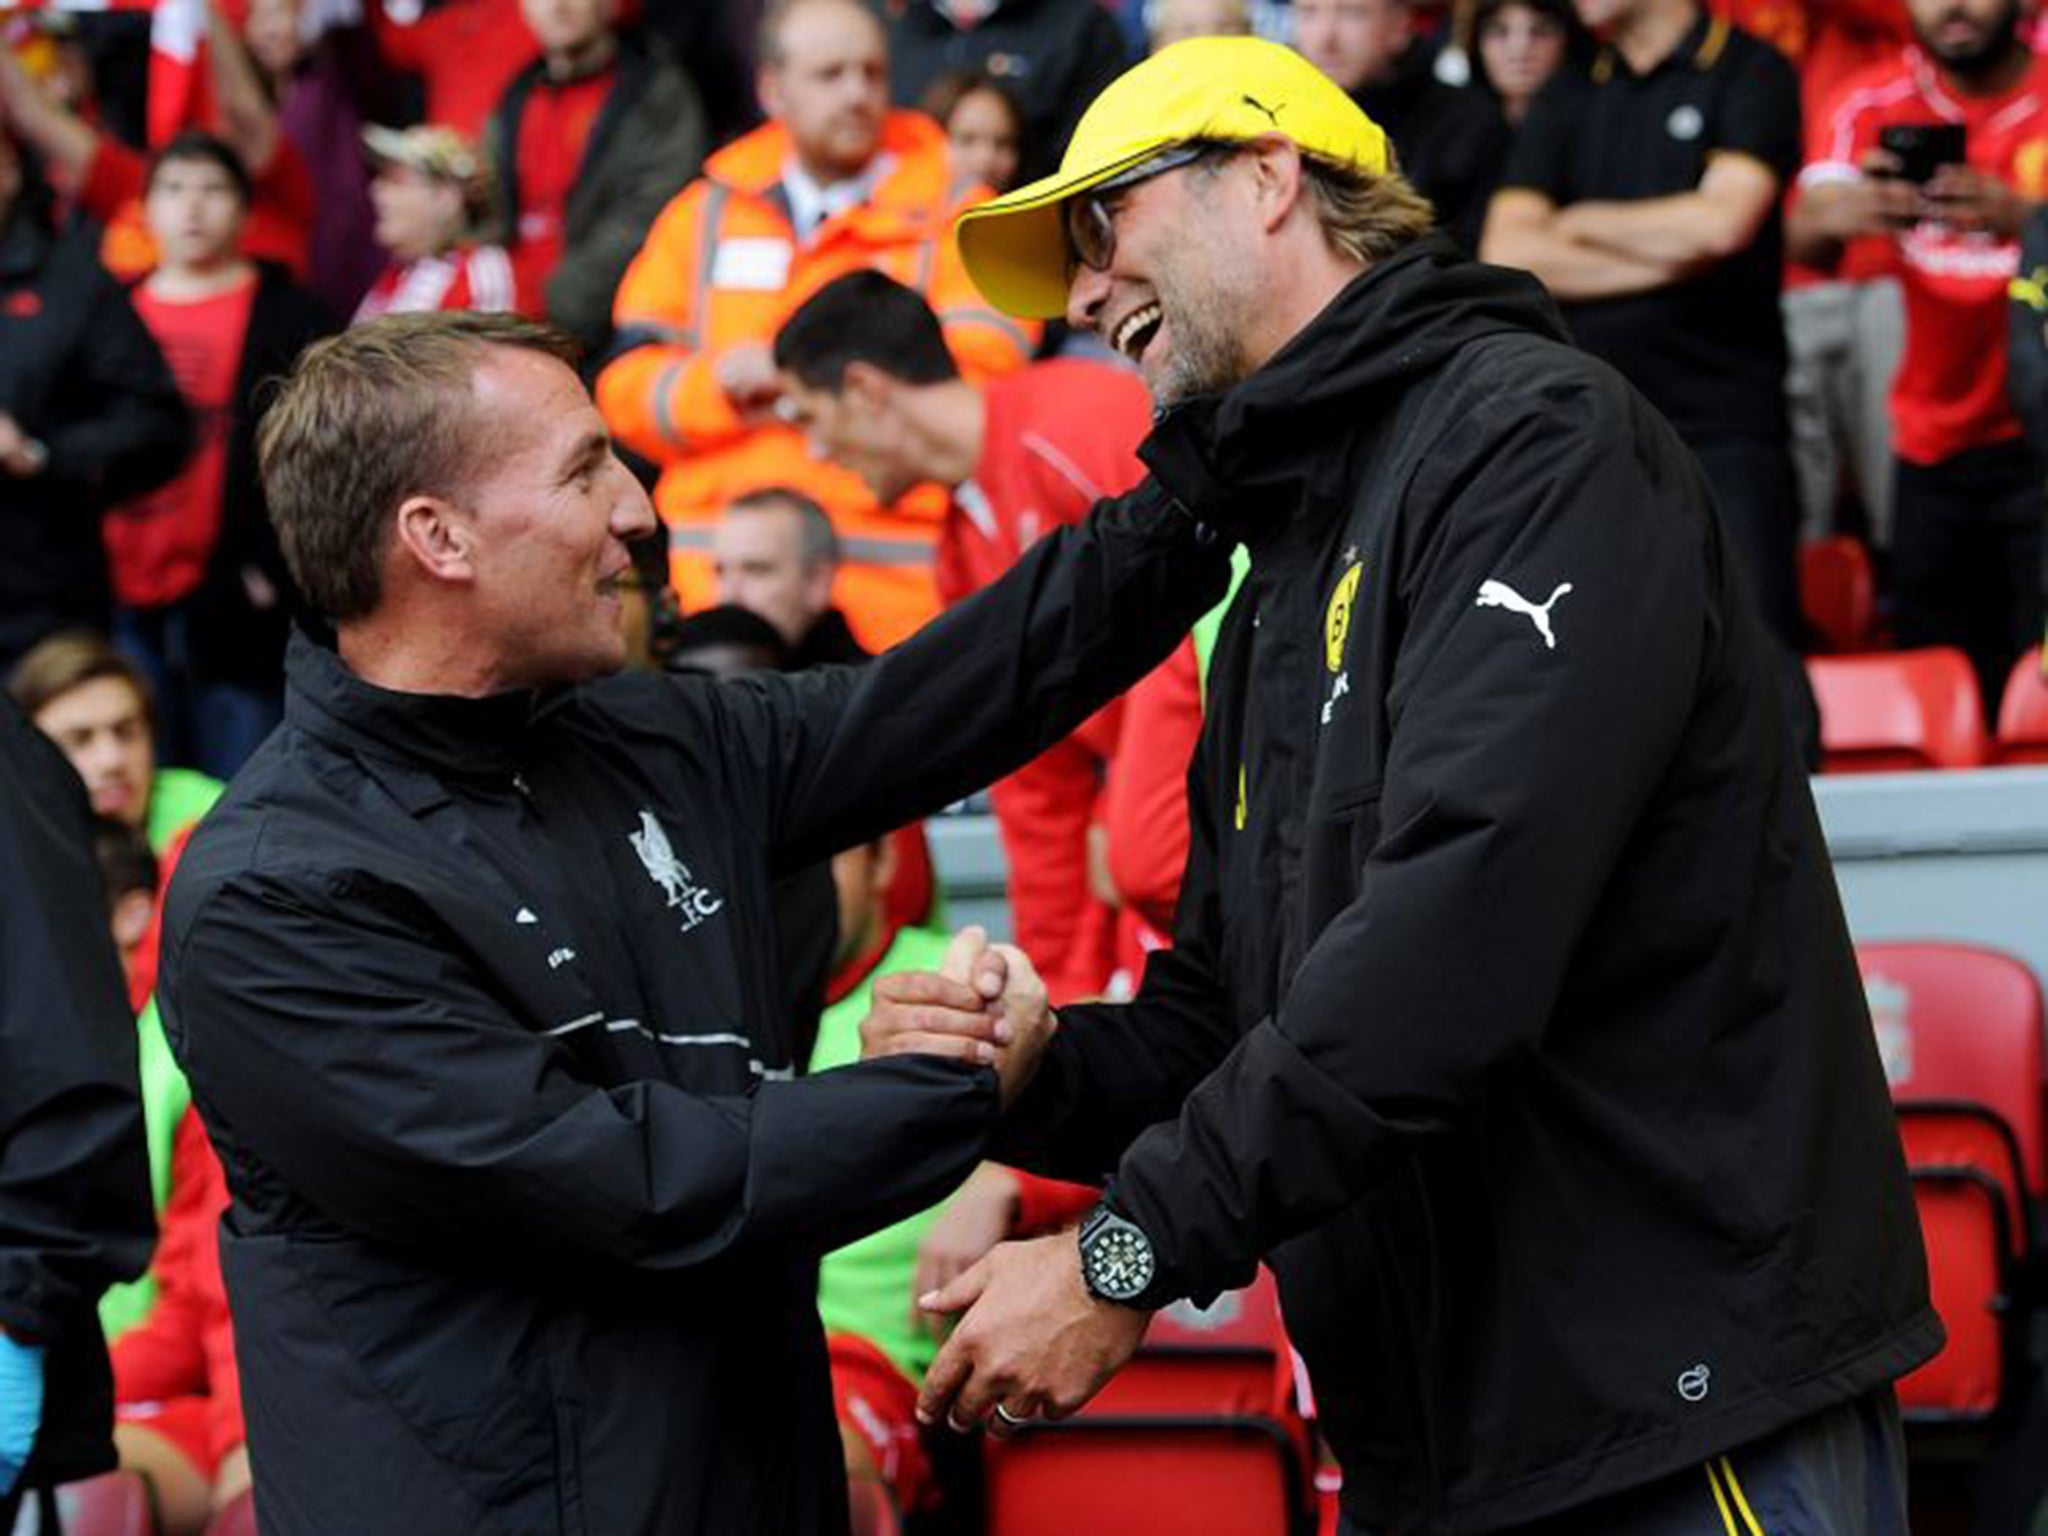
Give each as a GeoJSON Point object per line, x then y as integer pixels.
{"type": "Point", "coordinates": [746, 372]}
{"type": "Point", "coordinates": [985, 1005]}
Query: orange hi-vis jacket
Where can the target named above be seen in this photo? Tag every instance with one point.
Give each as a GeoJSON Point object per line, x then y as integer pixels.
{"type": "Point", "coordinates": [722, 265]}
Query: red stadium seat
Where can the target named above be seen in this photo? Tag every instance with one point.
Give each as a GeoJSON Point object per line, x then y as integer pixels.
{"type": "Point", "coordinates": [1200, 1432]}
{"type": "Point", "coordinates": [1961, 1024]}
{"type": "Point", "coordinates": [1110, 1476]}
{"type": "Point", "coordinates": [1898, 710]}
{"type": "Point", "coordinates": [112, 1504]}
{"type": "Point", "coordinates": [1838, 592]}
{"type": "Point", "coordinates": [1231, 1358]}
{"type": "Point", "coordinates": [2023, 713]}
{"type": "Point", "coordinates": [1962, 1218]}
{"type": "Point", "coordinates": [236, 1518]}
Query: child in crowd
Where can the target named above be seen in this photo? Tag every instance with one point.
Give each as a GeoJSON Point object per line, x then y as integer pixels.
{"type": "Point", "coordinates": [432, 192]}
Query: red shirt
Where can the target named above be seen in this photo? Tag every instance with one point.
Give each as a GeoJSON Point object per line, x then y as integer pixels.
{"type": "Point", "coordinates": [158, 544]}
{"type": "Point", "coordinates": [1950, 393]}
{"type": "Point", "coordinates": [465, 53]}
{"type": "Point", "coordinates": [1060, 436]}
{"type": "Point", "coordinates": [468, 277]}
{"type": "Point", "coordinates": [554, 130]}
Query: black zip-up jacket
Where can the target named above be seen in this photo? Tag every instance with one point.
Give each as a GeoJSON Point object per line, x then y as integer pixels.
{"type": "Point", "coordinates": [74, 1174]}
{"type": "Point", "coordinates": [480, 1001]}
{"type": "Point", "coordinates": [1511, 1015]}
{"type": "Point", "coordinates": [79, 373]}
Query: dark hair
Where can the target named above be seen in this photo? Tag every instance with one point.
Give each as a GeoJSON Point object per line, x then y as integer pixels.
{"type": "Point", "coordinates": [196, 147]}
{"type": "Point", "coordinates": [126, 861]}
{"type": "Point", "coordinates": [379, 413]}
{"type": "Point", "coordinates": [949, 90]}
{"type": "Point", "coordinates": [1578, 41]}
{"type": "Point", "coordinates": [864, 317]}
{"type": "Point", "coordinates": [727, 626]}
{"type": "Point", "coordinates": [55, 666]}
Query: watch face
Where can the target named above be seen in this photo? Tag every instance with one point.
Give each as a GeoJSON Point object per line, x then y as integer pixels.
{"type": "Point", "coordinates": [1119, 1262]}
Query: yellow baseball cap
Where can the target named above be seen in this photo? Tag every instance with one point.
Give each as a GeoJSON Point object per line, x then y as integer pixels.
{"type": "Point", "coordinates": [1225, 89]}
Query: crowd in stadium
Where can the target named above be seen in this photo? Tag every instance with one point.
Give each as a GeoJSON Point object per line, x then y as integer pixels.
{"type": "Point", "coordinates": [1813, 234]}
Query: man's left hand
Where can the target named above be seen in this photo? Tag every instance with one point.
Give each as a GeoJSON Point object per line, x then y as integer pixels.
{"type": "Point", "coordinates": [1032, 1340]}
{"type": "Point", "coordinates": [1966, 198]}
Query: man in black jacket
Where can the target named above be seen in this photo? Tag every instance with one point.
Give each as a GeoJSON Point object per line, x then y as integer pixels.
{"type": "Point", "coordinates": [1511, 1016]}
{"type": "Point", "coordinates": [74, 1176]}
{"type": "Point", "coordinates": [1054, 55]}
{"type": "Point", "coordinates": [475, 977]}
{"type": "Point", "coordinates": [88, 415]}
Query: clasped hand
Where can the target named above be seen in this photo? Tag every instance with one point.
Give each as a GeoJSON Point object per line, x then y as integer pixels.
{"type": "Point", "coordinates": [985, 1004]}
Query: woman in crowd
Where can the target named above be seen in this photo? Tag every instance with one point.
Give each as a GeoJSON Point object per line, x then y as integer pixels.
{"type": "Point", "coordinates": [1517, 45]}
{"type": "Point", "coordinates": [984, 125]}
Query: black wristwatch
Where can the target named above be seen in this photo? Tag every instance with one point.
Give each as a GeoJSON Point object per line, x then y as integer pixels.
{"type": "Point", "coordinates": [1117, 1263]}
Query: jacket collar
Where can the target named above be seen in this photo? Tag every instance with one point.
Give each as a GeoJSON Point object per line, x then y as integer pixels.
{"type": "Point", "coordinates": [445, 735]}
{"type": "Point", "coordinates": [1259, 455]}
{"type": "Point", "coordinates": [918, 184]}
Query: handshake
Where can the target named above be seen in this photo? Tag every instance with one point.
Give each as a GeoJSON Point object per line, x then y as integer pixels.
{"type": "Point", "coordinates": [985, 1005]}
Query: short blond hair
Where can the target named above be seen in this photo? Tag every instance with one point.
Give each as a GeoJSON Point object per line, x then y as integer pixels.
{"type": "Point", "coordinates": [381, 412]}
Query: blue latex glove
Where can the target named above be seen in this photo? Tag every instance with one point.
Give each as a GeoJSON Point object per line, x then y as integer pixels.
{"type": "Point", "coordinates": [21, 1407]}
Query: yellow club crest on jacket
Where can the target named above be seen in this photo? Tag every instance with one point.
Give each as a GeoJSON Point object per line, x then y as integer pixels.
{"type": "Point", "coordinates": [1337, 621]}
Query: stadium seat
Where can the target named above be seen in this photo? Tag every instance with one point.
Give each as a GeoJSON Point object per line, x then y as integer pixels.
{"type": "Point", "coordinates": [2023, 713]}
{"type": "Point", "coordinates": [1962, 1219]}
{"type": "Point", "coordinates": [1112, 1475]}
{"type": "Point", "coordinates": [1230, 1358]}
{"type": "Point", "coordinates": [1838, 592]}
{"type": "Point", "coordinates": [1200, 1432]}
{"type": "Point", "coordinates": [112, 1504]}
{"type": "Point", "coordinates": [1898, 710]}
{"type": "Point", "coordinates": [1957, 1023]}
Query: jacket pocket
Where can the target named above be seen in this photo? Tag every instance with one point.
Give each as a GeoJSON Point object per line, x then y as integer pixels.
{"type": "Point", "coordinates": [1342, 829]}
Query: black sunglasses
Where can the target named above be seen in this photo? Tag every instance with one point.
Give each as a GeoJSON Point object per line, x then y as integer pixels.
{"type": "Point", "coordinates": [1090, 219]}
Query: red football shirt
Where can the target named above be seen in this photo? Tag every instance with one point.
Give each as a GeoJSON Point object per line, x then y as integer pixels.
{"type": "Point", "coordinates": [158, 544]}
{"type": "Point", "coordinates": [554, 130]}
{"type": "Point", "coordinates": [1950, 393]}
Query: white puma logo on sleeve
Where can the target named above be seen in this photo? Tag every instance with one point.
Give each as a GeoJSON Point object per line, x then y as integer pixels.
{"type": "Point", "coordinates": [1498, 594]}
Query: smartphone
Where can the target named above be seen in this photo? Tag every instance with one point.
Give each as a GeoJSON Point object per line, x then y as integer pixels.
{"type": "Point", "coordinates": [1923, 148]}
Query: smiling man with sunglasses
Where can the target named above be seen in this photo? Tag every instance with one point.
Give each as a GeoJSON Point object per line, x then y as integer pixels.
{"type": "Point", "coordinates": [1511, 1017]}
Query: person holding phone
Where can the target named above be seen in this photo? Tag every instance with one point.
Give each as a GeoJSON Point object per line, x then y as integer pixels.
{"type": "Point", "coordinates": [1944, 152]}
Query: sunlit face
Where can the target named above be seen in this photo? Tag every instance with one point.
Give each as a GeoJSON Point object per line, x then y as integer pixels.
{"type": "Point", "coordinates": [549, 516]}
{"type": "Point", "coordinates": [1520, 48]}
{"type": "Point", "coordinates": [830, 88]}
{"type": "Point", "coordinates": [1175, 21]}
{"type": "Point", "coordinates": [855, 429]}
{"type": "Point", "coordinates": [272, 33]}
{"type": "Point", "coordinates": [982, 136]}
{"type": "Point", "coordinates": [103, 729]}
{"type": "Point", "coordinates": [1354, 42]}
{"type": "Point", "coordinates": [195, 213]}
{"type": "Point", "coordinates": [417, 214]}
{"type": "Point", "coordinates": [1177, 308]}
{"type": "Point", "coordinates": [566, 26]}
{"type": "Point", "coordinates": [758, 554]}
{"type": "Point", "coordinates": [1968, 36]}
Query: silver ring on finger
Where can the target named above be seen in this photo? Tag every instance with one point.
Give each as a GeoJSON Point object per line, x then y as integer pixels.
{"type": "Point", "coordinates": [1015, 1421]}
